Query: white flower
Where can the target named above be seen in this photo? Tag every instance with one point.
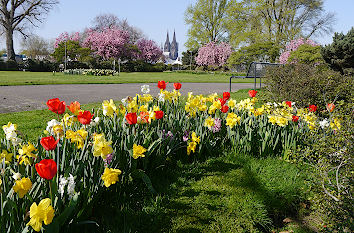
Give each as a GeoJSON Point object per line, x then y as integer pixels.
{"type": "Point", "coordinates": [275, 104]}
{"type": "Point", "coordinates": [62, 182]}
{"type": "Point", "coordinates": [125, 101]}
{"type": "Point", "coordinates": [145, 89]}
{"type": "Point", "coordinates": [324, 123]}
{"type": "Point", "coordinates": [10, 135]}
{"type": "Point", "coordinates": [16, 176]}
{"type": "Point", "coordinates": [16, 141]}
{"type": "Point", "coordinates": [95, 121]}
{"type": "Point", "coordinates": [161, 97]}
{"type": "Point", "coordinates": [51, 124]}
{"type": "Point", "coordinates": [9, 129]}
{"type": "Point", "coordinates": [71, 186]}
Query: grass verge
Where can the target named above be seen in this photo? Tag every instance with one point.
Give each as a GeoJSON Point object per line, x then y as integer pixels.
{"type": "Point", "coordinates": [12, 78]}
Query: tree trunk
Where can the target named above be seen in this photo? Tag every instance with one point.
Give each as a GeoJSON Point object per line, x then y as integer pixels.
{"type": "Point", "coordinates": [10, 45]}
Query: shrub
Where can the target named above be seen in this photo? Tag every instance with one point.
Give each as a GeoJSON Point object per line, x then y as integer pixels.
{"type": "Point", "coordinates": [39, 66]}
{"type": "Point", "coordinates": [340, 54]}
{"type": "Point", "coordinates": [306, 84]}
{"type": "Point", "coordinates": [8, 65]}
{"type": "Point", "coordinates": [306, 54]}
{"type": "Point", "coordinates": [330, 155]}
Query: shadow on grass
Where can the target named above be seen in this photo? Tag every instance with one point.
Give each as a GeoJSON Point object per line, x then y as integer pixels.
{"type": "Point", "coordinates": [217, 195]}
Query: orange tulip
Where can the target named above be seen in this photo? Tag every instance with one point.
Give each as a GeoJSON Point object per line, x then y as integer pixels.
{"type": "Point", "coordinates": [330, 107]}
{"type": "Point", "coordinates": [74, 107]}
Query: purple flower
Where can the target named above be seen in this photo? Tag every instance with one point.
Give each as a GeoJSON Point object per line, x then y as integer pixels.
{"type": "Point", "coordinates": [186, 136]}
{"type": "Point", "coordinates": [108, 160]}
{"type": "Point", "coordinates": [217, 125]}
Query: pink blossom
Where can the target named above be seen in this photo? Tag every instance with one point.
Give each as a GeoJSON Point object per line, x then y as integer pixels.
{"type": "Point", "coordinates": [294, 45]}
{"type": "Point", "coordinates": [149, 51]}
{"type": "Point", "coordinates": [109, 43]}
{"type": "Point", "coordinates": [213, 54]}
{"type": "Point", "coordinates": [65, 37]}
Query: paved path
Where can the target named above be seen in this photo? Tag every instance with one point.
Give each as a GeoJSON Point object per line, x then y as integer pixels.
{"type": "Point", "coordinates": [25, 98]}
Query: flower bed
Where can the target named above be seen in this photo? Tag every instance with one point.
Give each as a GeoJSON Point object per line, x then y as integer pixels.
{"type": "Point", "coordinates": [92, 72]}
{"type": "Point", "coordinates": [50, 184]}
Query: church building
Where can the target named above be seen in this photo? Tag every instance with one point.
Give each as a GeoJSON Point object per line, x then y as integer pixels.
{"type": "Point", "coordinates": [170, 50]}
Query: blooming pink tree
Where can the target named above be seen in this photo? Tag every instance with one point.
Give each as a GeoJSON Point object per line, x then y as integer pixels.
{"type": "Point", "coordinates": [109, 43]}
{"type": "Point", "coordinates": [293, 46]}
{"type": "Point", "coordinates": [213, 54]}
{"type": "Point", "coordinates": [66, 37]}
{"type": "Point", "coordinates": [148, 51]}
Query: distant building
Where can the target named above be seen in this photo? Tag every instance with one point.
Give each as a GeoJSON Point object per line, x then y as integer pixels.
{"type": "Point", "coordinates": [170, 50]}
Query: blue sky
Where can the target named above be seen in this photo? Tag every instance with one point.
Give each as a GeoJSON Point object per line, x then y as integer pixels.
{"type": "Point", "coordinates": [154, 17]}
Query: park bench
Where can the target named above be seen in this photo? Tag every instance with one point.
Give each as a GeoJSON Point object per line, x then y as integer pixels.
{"type": "Point", "coordinates": [256, 70]}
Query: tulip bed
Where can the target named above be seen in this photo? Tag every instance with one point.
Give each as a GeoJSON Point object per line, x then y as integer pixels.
{"type": "Point", "coordinates": [52, 183]}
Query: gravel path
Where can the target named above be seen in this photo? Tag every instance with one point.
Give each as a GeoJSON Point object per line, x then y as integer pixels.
{"type": "Point", "coordinates": [25, 98]}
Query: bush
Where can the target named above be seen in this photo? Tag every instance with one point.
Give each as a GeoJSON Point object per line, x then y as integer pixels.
{"type": "Point", "coordinates": [141, 66]}
{"type": "Point", "coordinates": [39, 66]}
{"type": "Point", "coordinates": [8, 65]}
{"type": "Point", "coordinates": [340, 54]}
{"type": "Point", "coordinates": [330, 154]}
{"type": "Point", "coordinates": [306, 54]}
{"type": "Point", "coordinates": [306, 84]}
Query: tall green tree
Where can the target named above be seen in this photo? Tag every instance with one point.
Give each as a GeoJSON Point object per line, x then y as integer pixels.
{"type": "Point", "coordinates": [340, 54]}
{"type": "Point", "coordinates": [207, 22]}
{"type": "Point", "coordinates": [278, 21]}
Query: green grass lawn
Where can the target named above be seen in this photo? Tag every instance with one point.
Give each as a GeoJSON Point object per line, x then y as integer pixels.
{"type": "Point", "coordinates": [33, 123]}
{"type": "Point", "coordinates": [11, 78]}
{"type": "Point", "coordinates": [231, 193]}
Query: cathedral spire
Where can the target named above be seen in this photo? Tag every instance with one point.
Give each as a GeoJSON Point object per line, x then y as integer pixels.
{"type": "Point", "coordinates": [167, 46]}
{"type": "Point", "coordinates": [174, 47]}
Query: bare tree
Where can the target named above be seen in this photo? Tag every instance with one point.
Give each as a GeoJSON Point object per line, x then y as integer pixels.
{"type": "Point", "coordinates": [35, 47]}
{"type": "Point", "coordinates": [103, 21]}
{"type": "Point", "coordinates": [17, 15]}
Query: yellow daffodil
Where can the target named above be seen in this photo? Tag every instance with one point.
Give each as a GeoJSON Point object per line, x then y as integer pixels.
{"type": "Point", "coordinates": [335, 124]}
{"type": "Point", "coordinates": [101, 147]}
{"type": "Point", "coordinates": [69, 120]}
{"type": "Point", "coordinates": [143, 108]}
{"type": "Point", "coordinates": [232, 119]}
{"type": "Point", "coordinates": [44, 212]}
{"type": "Point", "coordinates": [209, 122]}
{"type": "Point", "coordinates": [77, 137]}
{"type": "Point", "coordinates": [138, 151]}
{"type": "Point", "coordinates": [108, 107]}
{"type": "Point", "coordinates": [195, 138]}
{"type": "Point", "coordinates": [7, 156]}
{"type": "Point", "coordinates": [132, 107]}
{"type": "Point", "coordinates": [232, 103]}
{"type": "Point", "coordinates": [191, 147]}
{"type": "Point", "coordinates": [25, 153]}
{"type": "Point", "coordinates": [22, 187]}
{"type": "Point", "coordinates": [110, 176]}
{"type": "Point", "coordinates": [156, 108]}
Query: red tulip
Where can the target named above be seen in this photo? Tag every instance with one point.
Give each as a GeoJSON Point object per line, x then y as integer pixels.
{"type": "Point", "coordinates": [85, 117]}
{"type": "Point", "coordinates": [330, 107]}
{"type": "Point", "coordinates": [226, 95]}
{"type": "Point", "coordinates": [49, 143]}
{"type": "Point", "coordinates": [159, 114]}
{"type": "Point", "coordinates": [131, 118]}
{"type": "Point", "coordinates": [312, 108]}
{"type": "Point", "coordinates": [56, 106]}
{"type": "Point", "coordinates": [288, 103]}
{"type": "Point", "coordinates": [47, 168]}
{"type": "Point", "coordinates": [222, 101]}
{"type": "Point", "coordinates": [295, 119]}
{"type": "Point", "coordinates": [74, 107]}
{"type": "Point", "coordinates": [177, 86]}
{"type": "Point", "coordinates": [225, 108]}
{"type": "Point", "coordinates": [161, 85]}
{"type": "Point", "coordinates": [252, 93]}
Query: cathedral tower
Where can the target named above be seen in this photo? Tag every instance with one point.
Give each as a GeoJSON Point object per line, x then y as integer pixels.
{"type": "Point", "coordinates": [174, 48]}
{"type": "Point", "coordinates": [167, 47]}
